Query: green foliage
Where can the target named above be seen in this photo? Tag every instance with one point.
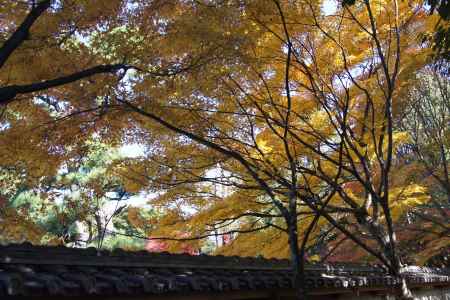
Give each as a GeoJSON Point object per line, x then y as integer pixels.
{"type": "Point", "coordinates": [113, 241]}
{"type": "Point", "coordinates": [123, 224]}
{"type": "Point", "coordinates": [75, 196]}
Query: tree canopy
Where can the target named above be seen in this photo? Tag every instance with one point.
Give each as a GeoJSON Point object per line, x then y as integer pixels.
{"type": "Point", "coordinates": [294, 128]}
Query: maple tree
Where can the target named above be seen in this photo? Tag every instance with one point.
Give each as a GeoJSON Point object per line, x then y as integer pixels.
{"type": "Point", "coordinates": [291, 109]}
{"type": "Point", "coordinates": [422, 227]}
{"type": "Point", "coordinates": [52, 31]}
{"type": "Point", "coordinates": [309, 133]}
{"type": "Point", "coordinates": [78, 52]}
{"type": "Point", "coordinates": [442, 30]}
{"type": "Point", "coordinates": [426, 159]}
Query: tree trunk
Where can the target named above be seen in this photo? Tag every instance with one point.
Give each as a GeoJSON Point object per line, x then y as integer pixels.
{"type": "Point", "coordinates": [396, 263]}
{"type": "Point", "coordinates": [98, 224]}
{"type": "Point", "coordinates": [387, 242]}
{"type": "Point", "coordinates": [90, 233]}
{"type": "Point", "coordinates": [405, 293]}
{"type": "Point", "coordinates": [297, 260]}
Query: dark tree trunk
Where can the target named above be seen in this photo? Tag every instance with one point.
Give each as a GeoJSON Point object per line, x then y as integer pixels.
{"type": "Point", "coordinates": [99, 225]}
{"type": "Point", "coordinates": [390, 247]}
{"type": "Point", "coordinates": [297, 260]}
{"type": "Point", "coordinates": [404, 291]}
{"type": "Point", "coordinates": [90, 233]}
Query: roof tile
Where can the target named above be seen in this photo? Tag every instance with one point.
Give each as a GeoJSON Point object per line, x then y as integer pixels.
{"type": "Point", "coordinates": [58, 271]}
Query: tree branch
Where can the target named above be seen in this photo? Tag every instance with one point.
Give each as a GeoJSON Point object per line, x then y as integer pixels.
{"type": "Point", "coordinates": [8, 93]}
{"type": "Point", "coordinates": [21, 33]}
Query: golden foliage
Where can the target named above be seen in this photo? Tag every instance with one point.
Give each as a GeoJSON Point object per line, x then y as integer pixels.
{"type": "Point", "coordinates": [219, 72]}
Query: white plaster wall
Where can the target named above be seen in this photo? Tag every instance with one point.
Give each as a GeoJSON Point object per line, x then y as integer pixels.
{"type": "Point", "coordinates": [424, 294]}
{"type": "Point", "coordinates": [433, 294]}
